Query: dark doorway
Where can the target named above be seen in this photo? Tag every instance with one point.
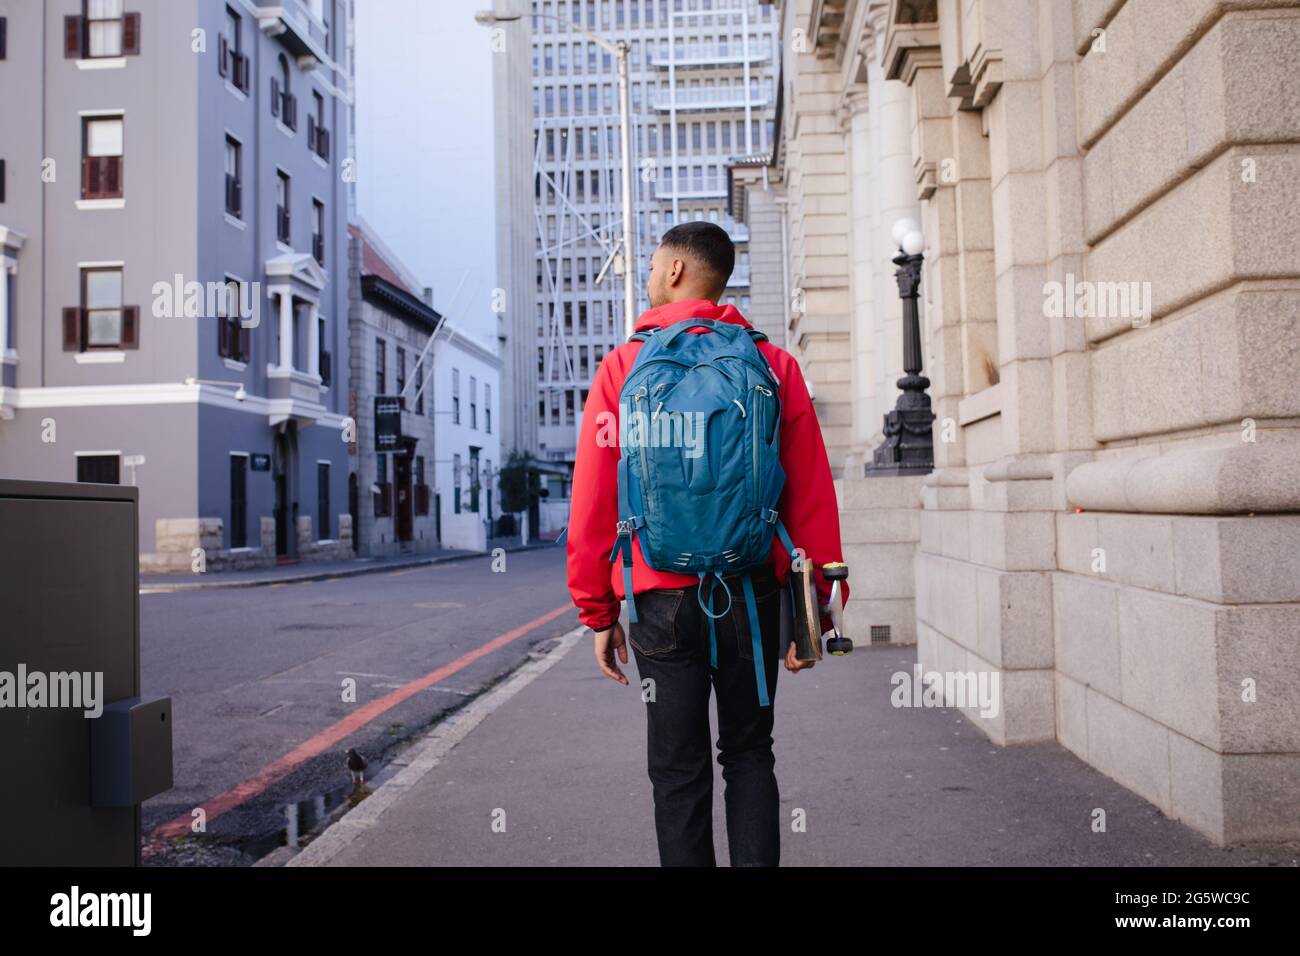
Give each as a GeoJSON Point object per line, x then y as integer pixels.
{"type": "Point", "coordinates": [405, 516]}
{"type": "Point", "coordinates": [239, 501]}
{"type": "Point", "coordinates": [355, 511]}
{"type": "Point", "coordinates": [281, 479]}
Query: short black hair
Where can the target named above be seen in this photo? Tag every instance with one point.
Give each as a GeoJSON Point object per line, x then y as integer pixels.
{"type": "Point", "coordinates": [707, 242]}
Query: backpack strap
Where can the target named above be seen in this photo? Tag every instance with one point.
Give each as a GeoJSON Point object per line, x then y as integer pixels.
{"type": "Point", "coordinates": [755, 636]}
{"type": "Point", "coordinates": [707, 608]}
{"type": "Point", "coordinates": [627, 525]}
{"type": "Point", "coordinates": [756, 335]}
{"type": "Point", "coordinates": [771, 517]}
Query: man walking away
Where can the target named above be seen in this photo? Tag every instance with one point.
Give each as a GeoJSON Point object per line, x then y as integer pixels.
{"type": "Point", "coordinates": [694, 627]}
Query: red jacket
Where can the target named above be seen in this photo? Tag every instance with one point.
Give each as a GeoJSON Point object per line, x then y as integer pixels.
{"type": "Point", "coordinates": [807, 508]}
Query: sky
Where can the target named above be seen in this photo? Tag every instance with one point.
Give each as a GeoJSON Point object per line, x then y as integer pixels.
{"type": "Point", "coordinates": [425, 181]}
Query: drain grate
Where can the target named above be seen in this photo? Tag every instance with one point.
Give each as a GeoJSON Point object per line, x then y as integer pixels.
{"type": "Point", "coordinates": [879, 633]}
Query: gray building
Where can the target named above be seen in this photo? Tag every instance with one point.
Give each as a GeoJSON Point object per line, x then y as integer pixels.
{"type": "Point", "coordinates": [174, 231]}
{"type": "Point", "coordinates": [703, 90]}
{"type": "Point", "coordinates": [393, 505]}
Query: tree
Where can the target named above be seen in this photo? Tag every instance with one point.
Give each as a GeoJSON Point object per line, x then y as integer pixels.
{"type": "Point", "coordinates": [518, 481]}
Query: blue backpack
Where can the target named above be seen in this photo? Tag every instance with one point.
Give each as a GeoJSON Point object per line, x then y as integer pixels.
{"type": "Point", "coordinates": [699, 470]}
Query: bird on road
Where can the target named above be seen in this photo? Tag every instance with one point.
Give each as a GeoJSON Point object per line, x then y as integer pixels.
{"type": "Point", "coordinates": [356, 766]}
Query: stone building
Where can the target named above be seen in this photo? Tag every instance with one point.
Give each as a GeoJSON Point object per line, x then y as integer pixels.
{"type": "Point", "coordinates": [1111, 327]}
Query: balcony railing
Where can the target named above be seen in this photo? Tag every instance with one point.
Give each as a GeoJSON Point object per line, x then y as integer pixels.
{"type": "Point", "coordinates": [709, 98]}
{"type": "Point", "coordinates": [690, 187]}
{"type": "Point", "coordinates": [709, 55]}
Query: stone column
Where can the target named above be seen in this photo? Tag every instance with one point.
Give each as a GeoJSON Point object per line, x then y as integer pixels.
{"type": "Point", "coordinates": [856, 119]}
{"type": "Point", "coordinates": [894, 197]}
{"type": "Point", "coordinates": [286, 331]}
{"type": "Point", "coordinates": [313, 341]}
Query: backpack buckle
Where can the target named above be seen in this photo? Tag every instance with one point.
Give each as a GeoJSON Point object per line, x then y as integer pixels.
{"type": "Point", "coordinates": [768, 515]}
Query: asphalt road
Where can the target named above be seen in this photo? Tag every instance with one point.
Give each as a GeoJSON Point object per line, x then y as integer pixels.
{"type": "Point", "coordinates": [257, 678]}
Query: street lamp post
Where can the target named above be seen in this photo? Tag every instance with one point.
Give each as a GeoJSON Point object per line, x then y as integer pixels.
{"type": "Point", "coordinates": [619, 49]}
{"type": "Point", "coordinates": [908, 448]}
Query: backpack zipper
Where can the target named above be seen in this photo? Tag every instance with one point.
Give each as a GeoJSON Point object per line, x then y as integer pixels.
{"type": "Point", "coordinates": [641, 456]}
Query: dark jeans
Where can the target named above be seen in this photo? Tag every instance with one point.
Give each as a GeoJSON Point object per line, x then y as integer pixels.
{"type": "Point", "coordinates": [671, 645]}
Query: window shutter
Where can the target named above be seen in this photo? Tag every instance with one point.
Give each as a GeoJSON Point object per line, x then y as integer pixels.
{"type": "Point", "coordinates": [131, 327]}
{"type": "Point", "coordinates": [72, 329]}
{"type": "Point", "coordinates": [245, 342]}
{"type": "Point", "coordinates": [223, 56]}
{"type": "Point", "coordinates": [275, 96]}
{"type": "Point", "coordinates": [89, 177]}
{"type": "Point", "coordinates": [223, 336]}
{"type": "Point", "coordinates": [113, 176]}
{"type": "Point", "coordinates": [73, 30]}
{"type": "Point", "coordinates": [131, 34]}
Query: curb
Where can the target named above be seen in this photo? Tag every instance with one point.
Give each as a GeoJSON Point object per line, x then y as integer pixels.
{"type": "Point", "coordinates": [164, 587]}
{"type": "Point", "coordinates": [423, 757]}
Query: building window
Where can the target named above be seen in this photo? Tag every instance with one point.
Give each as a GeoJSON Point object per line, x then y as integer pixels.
{"type": "Point", "coordinates": [4, 37]}
{"type": "Point", "coordinates": [323, 357]}
{"type": "Point", "coordinates": [234, 178]}
{"type": "Point", "coordinates": [455, 396]}
{"type": "Point", "coordinates": [381, 367]}
{"type": "Point", "coordinates": [455, 480]}
{"type": "Point", "coordinates": [323, 523]}
{"type": "Point", "coordinates": [238, 501]}
{"type": "Point", "coordinates": [318, 137]}
{"type": "Point", "coordinates": [318, 231]}
{"type": "Point", "coordinates": [487, 408]}
{"type": "Point", "coordinates": [284, 105]}
{"type": "Point", "coordinates": [401, 375]}
{"type": "Point", "coordinates": [101, 157]}
{"type": "Point", "coordinates": [473, 402]}
{"type": "Point", "coordinates": [101, 321]}
{"type": "Point", "coordinates": [99, 469]}
{"type": "Point", "coordinates": [233, 339]}
{"type": "Point", "coordinates": [282, 206]}
{"type": "Point", "coordinates": [382, 496]}
{"type": "Point", "coordinates": [421, 488]}
{"type": "Point", "coordinates": [473, 480]}
{"type": "Point", "coordinates": [103, 29]}
{"type": "Point", "coordinates": [231, 61]}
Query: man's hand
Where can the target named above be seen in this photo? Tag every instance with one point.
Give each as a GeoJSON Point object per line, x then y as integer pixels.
{"type": "Point", "coordinates": [792, 663]}
{"type": "Point", "coordinates": [607, 642]}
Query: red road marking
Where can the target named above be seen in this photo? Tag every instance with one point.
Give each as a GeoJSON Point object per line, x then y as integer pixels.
{"type": "Point", "coordinates": [330, 736]}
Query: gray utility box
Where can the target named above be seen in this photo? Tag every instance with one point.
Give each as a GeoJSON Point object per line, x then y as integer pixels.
{"type": "Point", "coordinates": [69, 644]}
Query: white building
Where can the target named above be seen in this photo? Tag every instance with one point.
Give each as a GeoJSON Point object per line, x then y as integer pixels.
{"type": "Point", "coordinates": [467, 439]}
{"type": "Point", "coordinates": [703, 90]}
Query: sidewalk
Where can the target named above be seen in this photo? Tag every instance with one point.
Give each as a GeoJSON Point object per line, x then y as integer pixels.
{"type": "Point", "coordinates": [319, 570]}
{"type": "Point", "coordinates": [560, 751]}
